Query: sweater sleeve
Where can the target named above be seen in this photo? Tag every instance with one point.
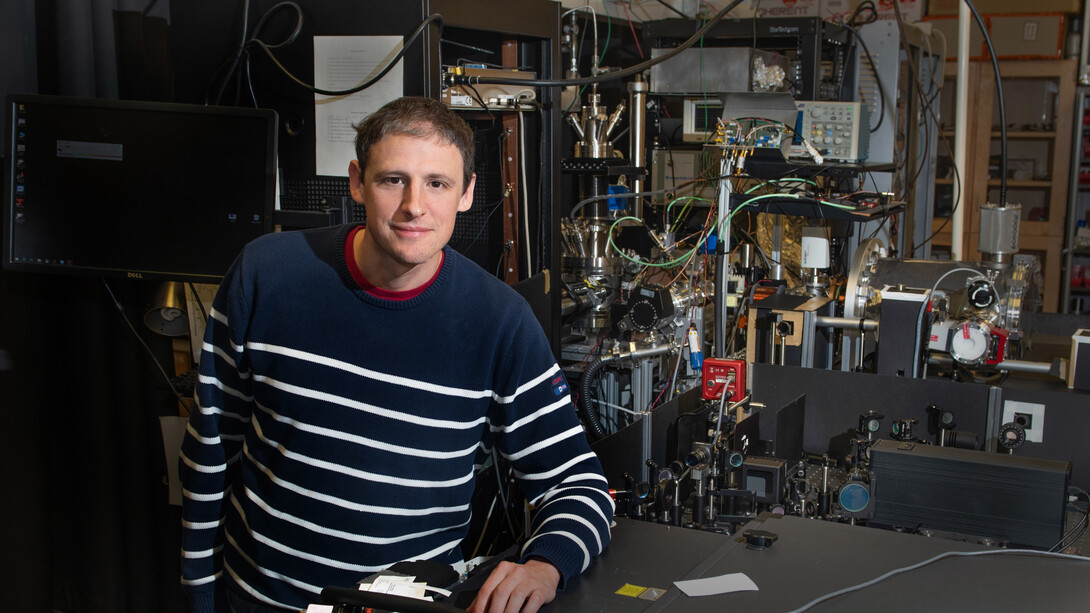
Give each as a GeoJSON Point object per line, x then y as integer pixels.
{"type": "Point", "coordinates": [538, 431]}
{"type": "Point", "coordinates": [213, 440]}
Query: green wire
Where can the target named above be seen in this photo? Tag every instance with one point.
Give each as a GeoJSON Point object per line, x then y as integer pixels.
{"type": "Point", "coordinates": [669, 264]}
{"type": "Point", "coordinates": [719, 230]}
{"type": "Point", "coordinates": [688, 200]}
{"type": "Point", "coordinates": [731, 215]}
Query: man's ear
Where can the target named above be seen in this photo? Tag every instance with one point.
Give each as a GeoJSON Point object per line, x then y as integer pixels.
{"type": "Point", "coordinates": [355, 181]}
{"type": "Point", "coordinates": [467, 196]}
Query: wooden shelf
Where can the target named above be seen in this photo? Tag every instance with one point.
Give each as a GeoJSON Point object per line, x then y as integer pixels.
{"type": "Point", "coordinates": [1015, 183]}
{"type": "Point", "coordinates": [1019, 134]}
{"type": "Point", "coordinates": [1026, 134]}
{"type": "Point", "coordinates": [1041, 238]}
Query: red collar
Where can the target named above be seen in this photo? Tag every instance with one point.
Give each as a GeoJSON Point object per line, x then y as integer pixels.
{"type": "Point", "coordinates": [378, 292]}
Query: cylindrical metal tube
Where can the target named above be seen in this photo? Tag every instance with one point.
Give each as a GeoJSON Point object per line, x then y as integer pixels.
{"type": "Point", "coordinates": [999, 231]}
{"type": "Point", "coordinates": [637, 137]}
{"type": "Point", "coordinates": [828, 321]}
{"type": "Point", "coordinates": [745, 255]}
{"type": "Point", "coordinates": [1041, 368]}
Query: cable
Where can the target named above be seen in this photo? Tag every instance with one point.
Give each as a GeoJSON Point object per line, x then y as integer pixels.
{"type": "Point", "coordinates": [433, 18]}
{"type": "Point", "coordinates": [125, 318]}
{"type": "Point", "coordinates": [916, 348]}
{"type": "Point", "coordinates": [632, 27]}
{"type": "Point", "coordinates": [239, 52]}
{"type": "Point", "coordinates": [627, 72]}
{"type": "Point", "coordinates": [1063, 544]}
{"type": "Point", "coordinates": [197, 299]}
{"type": "Point", "coordinates": [476, 95]}
{"type": "Point", "coordinates": [502, 493]}
{"type": "Point", "coordinates": [582, 203]}
{"type": "Point", "coordinates": [927, 104]}
{"type": "Point", "coordinates": [667, 5]}
{"type": "Point", "coordinates": [999, 101]}
{"type": "Point", "coordinates": [877, 79]}
{"type": "Point", "coordinates": [669, 264]}
{"type": "Point", "coordinates": [932, 560]}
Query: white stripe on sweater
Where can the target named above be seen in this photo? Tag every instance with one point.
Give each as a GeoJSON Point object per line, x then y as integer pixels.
{"type": "Point", "coordinates": [201, 468]}
{"type": "Point", "coordinates": [320, 559]}
{"type": "Point", "coordinates": [578, 519]}
{"type": "Point", "coordinates": [369, 408]}
{"type": "Point", "coordinates": [568, 535]}
{"type": "Point", "coordinates": [258, 595]}
{"type": "Point", "coordinates": [543, 411]}
{"type": "Point", "coordinates": [584, 500]}
{"type": "Point", "coordinates": [341, 534]}
{"type": "Point", "coordinates": [554, 369]}
{"type": "Point", "coordinates": [555, 471]}
{"type": "Point", "coordinates": [576, 430]}
{"type": "Point", "coordinates": [348, 504]}
{"type": "Point", "coordinates": [576, 479]}
{"type": "Point", "coordinates": [223, 387]}
{"type": "Point", "coordinates": [341, 435]}
{"type": "Point", "coordinates": [355, 472]}
{"type": "Point", "coordinates": [230, 360]}
{"type": "Point", "coordinates": [200, 581]}
{"type": "Point", "coordinates": [368, 373]}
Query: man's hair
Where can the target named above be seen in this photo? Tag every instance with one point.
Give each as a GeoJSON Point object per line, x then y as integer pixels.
{"type": "Point", "coordinates": [419, 117]}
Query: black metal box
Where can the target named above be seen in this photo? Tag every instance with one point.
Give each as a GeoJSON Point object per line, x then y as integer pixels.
{"type": "Point", "coordinates": [1012, 499]}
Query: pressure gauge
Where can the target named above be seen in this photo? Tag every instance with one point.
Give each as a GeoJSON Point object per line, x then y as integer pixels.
{"type": "Point", "coordinates": [969, 342]}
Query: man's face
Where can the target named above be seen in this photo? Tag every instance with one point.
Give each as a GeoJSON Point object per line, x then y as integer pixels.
{"type": "Point", "coordinates": [412, 189]}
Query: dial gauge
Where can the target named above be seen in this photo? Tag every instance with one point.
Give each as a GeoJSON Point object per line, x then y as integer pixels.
{"type": "Point", "coordinates": [969, 344]}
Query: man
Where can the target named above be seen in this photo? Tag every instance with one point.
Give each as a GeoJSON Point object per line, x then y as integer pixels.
{"type": "Point", "coordinates": [352, 382]}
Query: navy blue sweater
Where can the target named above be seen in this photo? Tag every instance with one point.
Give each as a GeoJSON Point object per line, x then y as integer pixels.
{"type": "Point", "coordinates": [338, 433]}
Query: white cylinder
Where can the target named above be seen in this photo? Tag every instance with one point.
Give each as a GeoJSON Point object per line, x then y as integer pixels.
{"type": "Point", "coordinates": [815, 248]}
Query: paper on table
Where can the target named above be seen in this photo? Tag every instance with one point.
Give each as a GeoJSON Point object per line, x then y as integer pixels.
{"type": "Point", "coordinates": [397, 586]}
{"type": "Point", "coordinates": [723, 584]}
{"type": "Point", "coordinates": [341, 63]}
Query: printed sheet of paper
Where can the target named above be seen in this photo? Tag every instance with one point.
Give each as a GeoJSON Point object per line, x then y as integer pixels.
{"type": "Point", "coordinates": [723, 584]}
{"type": "Point", "coordinates": [341, 63]}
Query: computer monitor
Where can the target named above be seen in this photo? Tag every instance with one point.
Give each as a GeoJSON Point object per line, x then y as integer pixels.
{"type": "Point", "coordinates": [134, 189]}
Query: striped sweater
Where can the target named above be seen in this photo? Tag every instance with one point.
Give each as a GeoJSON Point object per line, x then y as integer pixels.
{"type": "Point", "coordinates": [338, 433]}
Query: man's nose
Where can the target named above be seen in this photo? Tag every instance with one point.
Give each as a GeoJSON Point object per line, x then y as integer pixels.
{"type": "Point", "coordinates": [412, 200]}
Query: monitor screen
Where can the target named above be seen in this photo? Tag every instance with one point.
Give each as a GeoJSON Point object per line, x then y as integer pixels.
{"type": "Point", "coordinates": [134, 189]}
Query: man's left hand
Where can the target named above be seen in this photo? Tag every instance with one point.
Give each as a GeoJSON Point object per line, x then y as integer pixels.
{"type": "Point", "coordinates": [517, 588]}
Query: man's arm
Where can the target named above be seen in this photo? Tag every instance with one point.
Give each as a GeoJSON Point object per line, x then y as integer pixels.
{"type": "Point", "coordinates": [213, 442]}
{"type": "Point", "coordinates": [537, 430]}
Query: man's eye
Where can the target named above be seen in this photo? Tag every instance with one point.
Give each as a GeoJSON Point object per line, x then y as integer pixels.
{"type": "Point", "coordinates": [393, 180]}
{"type": "Point", "coordinates": [438, 184]}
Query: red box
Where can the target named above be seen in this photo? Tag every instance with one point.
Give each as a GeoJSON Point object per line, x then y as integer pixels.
{"type": "Point", "coordinates": [719, 375]}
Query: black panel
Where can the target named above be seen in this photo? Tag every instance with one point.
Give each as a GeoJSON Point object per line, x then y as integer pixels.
{"type": "Point", "coordinates": [1011, 499]}
{"type": "Point", "coordinates": [835, 399]}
